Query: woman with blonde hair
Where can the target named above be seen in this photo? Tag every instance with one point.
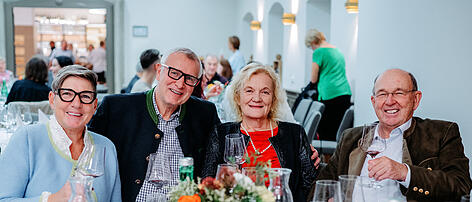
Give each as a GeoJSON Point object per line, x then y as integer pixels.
{"type": "Point", "coordinates": [257, 96]}
{"type": "Point", "coordinates": [328, 71]}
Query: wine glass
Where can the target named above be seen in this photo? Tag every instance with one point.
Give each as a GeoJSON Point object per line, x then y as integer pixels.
{"type": "Point", "coordinates": [327, 190]}
{"type": "Point", "coordinates": [348, 183]}
{"type": "Point", "coordinates": [25, 114]}
{"type": "Point", "coordinates": [372, 144]}
{"type": "Point", "coordinates": [158, 171]}
{"type": "Point", "coordinates": [234, 149]}
{"type": "Point", "coordinates": [225, 170]}
{"type": "Point", "coordinates": [92, 161]}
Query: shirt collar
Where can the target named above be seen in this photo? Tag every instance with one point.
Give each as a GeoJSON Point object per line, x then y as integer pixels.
{"type": "Point", "coordinates": [60, 138]}
{"type": "Point", "coordinates": [399, 130]}
{"type": "Point", "coordinates": [174, 114]}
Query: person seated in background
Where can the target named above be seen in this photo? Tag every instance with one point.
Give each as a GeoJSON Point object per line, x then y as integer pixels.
{"type": "Point", "coordinates": [211, 65]}
{"type": "Point", "coordinates": [257, 96]}
{"type": "Point", "coordinates": [5, 74]}
{"type": "Point", "coordinates": [148, 59]}
{"type": "Point", "coordinates": [166, 120]}
{"type": "Point", "coordinates": [139, 73]}
{"type": "Point", "coordinates": [33, 87]}
{"type": "Point", "coordinates": [41, 158]}
{"type": "Point", "coordinates": [426, 157]}
{"type": "Point", "coordinates": [57, 63]}
{"type": "Point", "coordinates": [224, 69]}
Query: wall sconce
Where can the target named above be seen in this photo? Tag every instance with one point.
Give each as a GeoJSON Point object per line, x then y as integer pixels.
{"type": "Point", "coordinates": [288, 19]}
{"type": "Point", "coordinates": [352, 6]}
{"type": "Point", "coordinates": [255, 25]}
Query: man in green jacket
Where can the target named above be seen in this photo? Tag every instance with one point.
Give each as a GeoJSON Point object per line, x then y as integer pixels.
{"type": "Point", "coordinates": [426, 157]}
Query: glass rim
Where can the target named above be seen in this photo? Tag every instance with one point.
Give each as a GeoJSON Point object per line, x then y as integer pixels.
{"type": "Point", "coordinates": [327, 182]}
{"type": "Point", "coordinates": [348, 177]}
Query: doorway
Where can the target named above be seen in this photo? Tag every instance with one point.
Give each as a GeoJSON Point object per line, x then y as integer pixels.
{"type": "Point", "coordinates": [32, 24]}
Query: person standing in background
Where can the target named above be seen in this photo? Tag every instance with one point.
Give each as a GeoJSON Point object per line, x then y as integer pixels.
{"type": "Point", "coordinates": [328, 70]}
{"type": "Point", "coordinates": [236, 60]}
{"type": "Point", "coordinates": [52, 45]}
{"type": "Point", "coordinates": [63, 51]}
{"type": "Point", "coordinates": [98, 62]}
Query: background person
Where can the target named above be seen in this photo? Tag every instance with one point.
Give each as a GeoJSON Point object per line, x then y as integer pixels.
{"type": "Point", "coordinates": [328, 70]}
{"type": "Point", "coordinates": [40, 158]}
{"type": "Point", "coordinates": [224, 69]}
{"type": "Point", "coordinates": [148, 59]}
{"type": "Point", "coordinates": [5, 74]}
{"type": "Point", "coordinates": [63, 51]}
{"type": "Point", "coordinates": [33, 87]}
{"type": "Point", "coordinates": [139, 73]}
{"type": "Point", "coordinates": [98, 62]}
{"type": "Point", "coordinates": [236, 59]}
{"type": "Point", "coordinates": [426, 157]}
{"type": "Point", "coordinates": [257, 97]}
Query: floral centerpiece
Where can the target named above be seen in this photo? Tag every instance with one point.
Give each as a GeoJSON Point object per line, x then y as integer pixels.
{"type": "Point", "coordinates": [231, 186]}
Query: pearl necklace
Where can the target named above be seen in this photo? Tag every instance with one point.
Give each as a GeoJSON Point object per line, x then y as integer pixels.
{"type": "Point", "coordinates": [270, 144]}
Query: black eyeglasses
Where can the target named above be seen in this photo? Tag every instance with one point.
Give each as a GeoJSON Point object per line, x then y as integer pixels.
{"type": "Point", "coordinates": [68, 95]}
{"type": "Point", "coordinates": [176, 74]}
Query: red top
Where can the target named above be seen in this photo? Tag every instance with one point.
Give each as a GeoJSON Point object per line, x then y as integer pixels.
{"type": "Point", "coordinates": [261, 141]}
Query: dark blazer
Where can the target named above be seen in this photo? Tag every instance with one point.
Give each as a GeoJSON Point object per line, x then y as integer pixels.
{"type": "Point", "coordinates": [125, 119]}
{"type": "Point", "coordinates": [432, 149]}
{"type": "Point", "coordinates": [28, 90]}
{"type": "Point", "coordinates": [291, 147]}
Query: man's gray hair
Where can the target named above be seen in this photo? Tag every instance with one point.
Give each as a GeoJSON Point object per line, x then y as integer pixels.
{"type": "Point", "coordinates": [190, 55]}
{"type": "Point", "coordinates": [75, 71]}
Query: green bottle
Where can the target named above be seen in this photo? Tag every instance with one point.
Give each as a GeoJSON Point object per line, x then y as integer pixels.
{"type": "Point", "coordinates": [4, 92]}
{"type": "Point", "coordinates": [186, 168]}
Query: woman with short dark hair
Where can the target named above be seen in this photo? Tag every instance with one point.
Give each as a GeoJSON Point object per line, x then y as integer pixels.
{"type": "Point", "coordinates": [33, 87]}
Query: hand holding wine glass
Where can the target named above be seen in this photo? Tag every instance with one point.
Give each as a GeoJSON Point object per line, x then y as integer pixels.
{"type": "Point", "coordinates": [372, 145]}
{"type": "Point", "coordinates": [235, 148]}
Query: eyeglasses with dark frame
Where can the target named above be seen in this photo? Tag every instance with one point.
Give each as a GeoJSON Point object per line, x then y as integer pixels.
{"type": "Point", "coordinates": [382, 95]}
{"type": "Point", "coordinates": [68, 95]}
{"type": "Point", "coordinates": [176, 74]}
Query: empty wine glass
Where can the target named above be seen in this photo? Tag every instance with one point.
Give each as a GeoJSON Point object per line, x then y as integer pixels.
{"type": "Point", "coordinates": [327, 190]}
{"type": "Point", "coordinates": [235, 148]}
{"type": "Point", "coordinates": [158, 171]}
{"type": "Point", "coordinates": [25, 114]}
{"type": "Point", "coordinates": [92, 161]}
{"type": "Point", "coordinates": [348, 183]}
{"type": "Point", "coordinates": [372, 144]}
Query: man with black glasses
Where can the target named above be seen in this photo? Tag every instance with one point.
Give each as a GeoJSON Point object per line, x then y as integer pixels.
{"type": "Point", "coordinates": [422, 158]}
{"type": "Point", "coordinates": [164, 119]}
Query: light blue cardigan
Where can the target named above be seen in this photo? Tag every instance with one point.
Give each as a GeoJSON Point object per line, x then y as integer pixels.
{"type": "Point", "coordinates": [32, 164]}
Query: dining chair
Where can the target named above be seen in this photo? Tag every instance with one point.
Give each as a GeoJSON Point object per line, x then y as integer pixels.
{"type": "Point", "coordinates": [302, 110]}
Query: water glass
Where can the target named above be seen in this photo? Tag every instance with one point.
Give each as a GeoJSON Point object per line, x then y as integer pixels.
{"type": "Point", "coordinates": [348, 183]}
{"type": "Point", "coordinates": [158, 171]}
{"type": "Point", "coordinates": [235, 148]}
{"type": "Point", "coordinates": [327, 190]}
{"type": "Point", "coordinates": [225, 170]}
{"type": "Point", "coordinates": [465, 198]}
{"type": "Point", "coordinates": [156, 197]}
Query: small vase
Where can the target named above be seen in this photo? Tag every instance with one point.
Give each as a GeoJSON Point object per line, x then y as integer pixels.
{"type": "Point", "coordinates": [279, 178]}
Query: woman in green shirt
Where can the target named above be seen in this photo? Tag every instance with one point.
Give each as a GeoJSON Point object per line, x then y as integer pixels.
{"type": "Point", "coordinates": [328, 70]}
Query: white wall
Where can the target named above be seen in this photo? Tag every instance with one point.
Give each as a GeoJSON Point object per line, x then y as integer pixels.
{"type": "Point", "coordinates": [431, 39]}
{"type": "Point", "coordinates": [203, 26]}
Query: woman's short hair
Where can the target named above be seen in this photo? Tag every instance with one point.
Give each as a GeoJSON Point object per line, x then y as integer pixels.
{"type": "Point", "coordinates": [234, 40]}
{"type": "Point", "coordinates": [237, 85]}
{"type": "Point", "coordinates": [75, 71]}
{"type": "Point", "coordinates": [36, 70]}
{"type": "Point", "coordinates": [227, 72]}
{"type": "Point", "coordinates": [314, 36]}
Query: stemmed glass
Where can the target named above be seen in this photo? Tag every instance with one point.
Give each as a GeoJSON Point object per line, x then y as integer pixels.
{"type": "Point", "coordinates": [372, 145]}
{"type": "Point", "coordinates": [92, 161]}
{"type": "Point", "coordinates": [327, 191]}
{"type": "Point", "coordinates": [158, 171]}
{"type": "Point", "coordinates": [234, 149]}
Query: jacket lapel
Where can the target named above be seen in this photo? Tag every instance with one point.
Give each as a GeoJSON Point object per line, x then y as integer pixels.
{"type": "Point", "coordinates": [356, 161]}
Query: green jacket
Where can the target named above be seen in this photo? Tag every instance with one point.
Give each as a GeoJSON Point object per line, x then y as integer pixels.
{"type": "Point", "coordinates": [432, 149]}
